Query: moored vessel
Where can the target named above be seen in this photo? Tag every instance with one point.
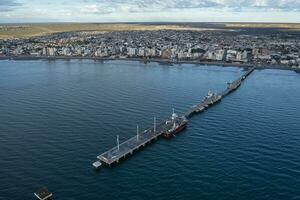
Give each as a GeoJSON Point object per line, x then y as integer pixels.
{"type": "Point", "coordinates": [211, 98]}
{"type": "Point", "coordinates": [209, 95]}
{"type": "Point", "coordinates": [178, 124]}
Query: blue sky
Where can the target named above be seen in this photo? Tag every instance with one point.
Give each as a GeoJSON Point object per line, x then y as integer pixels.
{"type": "Point", "coordinates": [149, 10]}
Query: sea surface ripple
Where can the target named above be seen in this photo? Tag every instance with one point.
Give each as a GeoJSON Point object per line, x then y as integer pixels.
{"type": "Point", "coordinates": [57, 116]}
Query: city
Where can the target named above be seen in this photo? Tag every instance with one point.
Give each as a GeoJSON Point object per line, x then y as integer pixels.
{"type": "Point", "coordinates": [273, 49]}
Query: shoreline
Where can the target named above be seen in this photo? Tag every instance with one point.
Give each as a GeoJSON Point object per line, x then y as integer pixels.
{"type": "Point", "coordinates": [157, 60]}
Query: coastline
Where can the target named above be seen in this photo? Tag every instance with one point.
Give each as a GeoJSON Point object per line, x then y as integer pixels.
{"type": "Point", "coordinates": [157, 60]}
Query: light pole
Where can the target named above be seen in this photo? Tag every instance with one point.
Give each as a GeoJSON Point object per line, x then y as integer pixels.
{"type": "Point", "coordinates": [118, 143]}
{"type": "Point", "coordinates": [154, 128]}
{"type": "Point", "coordinates": [137, 132]}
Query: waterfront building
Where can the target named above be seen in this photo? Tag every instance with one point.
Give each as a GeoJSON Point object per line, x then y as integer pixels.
{"type": "Point", "coordinates": [220, 55]}
{"type": "Point", "coordinates": [141, 52]}
{"type": "Point", "coordinates": [66, 51]}
{"type": "Point", "coordinates": [131, 51]}
{"type": "Point", "coordinates": [51, 51]}
{"type": "Point", "coordinates": [166, 53]}
{"type": "Point", "coordinates": [35, 53]}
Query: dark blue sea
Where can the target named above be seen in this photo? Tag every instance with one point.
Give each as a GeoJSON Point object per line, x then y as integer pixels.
{"type": "Point", "coordinates": [57, 116]}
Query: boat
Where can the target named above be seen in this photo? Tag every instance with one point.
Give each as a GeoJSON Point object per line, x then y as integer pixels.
{"type": "Point", "coordinates": [218, 98]}
{"type": "Point", "coordinates": [176, 128]}
{"type": "Point", "coordinates": [179, 123]}
{"type": "Point", "coordinates": [211, 98]}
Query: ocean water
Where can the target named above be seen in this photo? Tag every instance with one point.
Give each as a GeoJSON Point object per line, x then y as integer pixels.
{"type": "Point", "coordinates": [57, 116]}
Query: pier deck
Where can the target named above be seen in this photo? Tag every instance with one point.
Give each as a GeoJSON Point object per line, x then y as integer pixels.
{"type": "Point", "coordinates": [127, 147]}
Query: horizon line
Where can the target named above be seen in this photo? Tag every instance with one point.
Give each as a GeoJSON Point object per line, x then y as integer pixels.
{"type": "Point", "coordinates": [153, 22]}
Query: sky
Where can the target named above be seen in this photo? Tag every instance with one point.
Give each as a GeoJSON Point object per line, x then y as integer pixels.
{"type": "Point", "coordinates": [23, 11]}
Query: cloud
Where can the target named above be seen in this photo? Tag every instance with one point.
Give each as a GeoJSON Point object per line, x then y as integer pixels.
{"type": "Point", "coordinates": [292, 5]}
{"type": "Point", "coordinates": [149, 10]}
{"type": "Point", "coordinates": [105, 6]}
{"type": "Point", "coordinates": [97, 9]}
{"type": "Point", "coordinates": [8, 5]}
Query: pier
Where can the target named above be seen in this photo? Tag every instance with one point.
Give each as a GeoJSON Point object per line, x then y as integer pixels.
{"type": "Point", "coordinates": [128, 147]}
{"type": "Point", "coordinates": [141, 139]}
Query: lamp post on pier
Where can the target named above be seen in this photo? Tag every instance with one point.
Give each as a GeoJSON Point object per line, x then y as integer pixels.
{"type": "Point", "coordinates": [137, 133]}
{"type": "Point", "coordinates": [154, 128]}
{"type": "Point", "coordinates": [118, 143]}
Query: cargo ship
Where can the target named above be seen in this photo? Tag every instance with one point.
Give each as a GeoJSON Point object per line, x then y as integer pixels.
{"type": "Point", "coordinates": [178, 124]}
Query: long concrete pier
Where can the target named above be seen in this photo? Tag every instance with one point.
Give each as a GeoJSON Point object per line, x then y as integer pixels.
{"type": "Point", "coordinates": [141, 139]}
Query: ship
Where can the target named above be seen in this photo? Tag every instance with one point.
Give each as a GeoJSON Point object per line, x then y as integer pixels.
{"type": "Point", "coordinates": [209, 95]}
{"type": "Point", "coordinates": [178, 124]}
{"type": "Point", "coordinates": [211, 98]}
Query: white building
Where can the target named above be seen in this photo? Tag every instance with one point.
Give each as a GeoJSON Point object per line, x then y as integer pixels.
{"type": "Point", "coordinates": [51, 51]}
{"type": "Point", "coordinates": [141, 52]}
{"type": "Point", "coordinates": [66, 51]}
{"type": "Point", "coordinates": [220, 55]}
{"type": "Point", "coordinates": [131, 51]}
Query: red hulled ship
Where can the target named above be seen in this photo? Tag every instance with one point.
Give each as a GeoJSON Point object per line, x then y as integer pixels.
{"type": "Point", "coordinates": [178, 124]}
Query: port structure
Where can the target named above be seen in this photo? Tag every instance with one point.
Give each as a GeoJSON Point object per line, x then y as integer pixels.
{"type": "Point", "coordinates": [141, 139]}
{"type": "Point", "coordinates": [128, 147]}
{"type": "Point", "coordinates": [218, 97]}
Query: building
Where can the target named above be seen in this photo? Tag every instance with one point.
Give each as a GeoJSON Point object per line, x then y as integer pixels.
{"type": "Point", "coordinates": [131, 51]}
{"type": "Point", "coordinates": [220, 54]}
{"type": "Point", "coordinates": [166, 53]}
{"type": "Point", "coordinates": [141, 52]}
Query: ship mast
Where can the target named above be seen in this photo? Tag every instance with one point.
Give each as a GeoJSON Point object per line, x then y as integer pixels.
{"type": "Point", "coordinates": [174, 115]}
